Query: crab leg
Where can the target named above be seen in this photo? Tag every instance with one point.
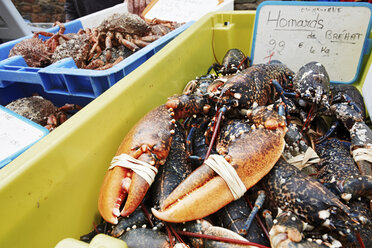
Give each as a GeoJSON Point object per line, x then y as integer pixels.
{"type": "Point", "coordinates": [140, 43]}
{"type": "Point", "coordinates": [130, 45]}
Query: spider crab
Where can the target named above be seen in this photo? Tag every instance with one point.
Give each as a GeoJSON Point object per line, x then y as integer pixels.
{"type": "Point", "coordinates": [42, 111]}
{"type": "Point", "coordinates": [35, 51]}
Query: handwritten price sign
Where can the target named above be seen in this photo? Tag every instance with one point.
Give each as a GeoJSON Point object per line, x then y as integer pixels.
{"type": "Point", "coordinates": [16, 134]}
{"type": "Point", "coordinates": [295, 33]}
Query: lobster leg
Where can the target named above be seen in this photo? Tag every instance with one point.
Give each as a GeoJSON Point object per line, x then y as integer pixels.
{"type": "Point", "coordinates": [257, 205]}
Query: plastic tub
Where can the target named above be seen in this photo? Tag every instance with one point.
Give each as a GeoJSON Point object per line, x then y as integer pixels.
{"type": "Point", "coordinates": [50, 192]}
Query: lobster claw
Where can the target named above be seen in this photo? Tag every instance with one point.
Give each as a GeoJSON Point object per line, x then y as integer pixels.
{"type": "Point", "coordinates": [135, 165]}
{"type": "Point", "coordinates": [252, 154]}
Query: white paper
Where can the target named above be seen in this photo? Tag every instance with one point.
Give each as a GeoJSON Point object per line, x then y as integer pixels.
{"type": "Point", "coordinates": [185, 10]}
{"type": "Point", "coordinates": [298, 34]}
{"type": "Point", "coordinates": [15, 134]}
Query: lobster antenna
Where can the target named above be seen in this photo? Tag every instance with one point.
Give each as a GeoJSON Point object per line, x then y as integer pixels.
{"type": "Point", "coordinates": [216, 127]}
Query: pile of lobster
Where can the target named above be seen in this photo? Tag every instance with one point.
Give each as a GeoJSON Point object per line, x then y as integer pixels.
{"type": "Point", "coordinates": [240, 134]}
{"type": "Point", "coordinates": [99, 48]}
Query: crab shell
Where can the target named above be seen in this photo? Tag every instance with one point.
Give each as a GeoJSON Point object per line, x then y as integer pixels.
{"type": "Point", "coordinates": [34, 51]}
{"type": "Point", "coordinates": [251, 154]}
{"type": "Point", "coordinates": [125, 23]}
{"type": "Point", "coordinates": [148, 141]}
{"type": "Point", "coordinates": [77, 47]}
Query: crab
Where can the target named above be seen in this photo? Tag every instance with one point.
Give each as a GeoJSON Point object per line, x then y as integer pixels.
{"type": "Point", "coordinates": [37, 52]}
{"type": "Point", "coordinates": [55, 38]}
{"type": "Point", "coordinates": [77, 47]}
{"type": "Point", "coordinates": [41, 111]}
{"type": "Point", "coordinates": [34, 51]}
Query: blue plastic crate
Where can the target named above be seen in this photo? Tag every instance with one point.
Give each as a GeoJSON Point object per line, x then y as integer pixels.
{"type": "Point", "coordinates": [64, 78]}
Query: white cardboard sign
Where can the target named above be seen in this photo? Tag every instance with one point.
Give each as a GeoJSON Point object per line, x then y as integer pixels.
{"type": "Point", "coordinates": [16, 135]}
{"type": "Point", "coordinates": [184, 10]}
{"type": "Point", "coordinates": [295, 33]}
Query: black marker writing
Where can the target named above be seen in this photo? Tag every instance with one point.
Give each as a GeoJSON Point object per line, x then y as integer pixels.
{"type": "Point", "coordinates": [282, 22]}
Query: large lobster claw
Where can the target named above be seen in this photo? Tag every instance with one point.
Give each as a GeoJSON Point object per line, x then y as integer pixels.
{"type": "Point", "coordinates": [252, 153]}
{"type": "Point", "coordinates": [145, 146]}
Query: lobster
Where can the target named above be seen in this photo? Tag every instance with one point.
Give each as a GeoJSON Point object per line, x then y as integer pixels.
{"type": "Point", "coordinates": [233, 61]}
{"type": "Point", "coordinates": [232, 95]}
{"type": "Point", "coordinates": [292, 190]}
{"type": "Point", "coordinates": [147, 144]}
{"type": "Point", "coordinates": [250, 162]}
{"type": "Point", "coordinates": [355, 129]}
{"type": "Point", "coordinates": [297, 150]}
{"type": "Point", "coordinates": [361, 139]}
{"type": "Point", "coordinates": [170, 174]}
{"type": "Point", "coordinates": [314, 96]}
{"type": "Point", "coordinates": [174, 171]}
{"type": "Point", "coordinates": [241, 90]}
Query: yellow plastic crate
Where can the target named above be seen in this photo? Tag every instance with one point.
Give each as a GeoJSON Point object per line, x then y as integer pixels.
{"type": "Point", "coordinates": [50, 192]}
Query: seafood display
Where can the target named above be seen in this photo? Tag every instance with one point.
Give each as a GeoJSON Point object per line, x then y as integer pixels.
{"type": "Point", "coordinates": [296, 146]}
{"type": "Point", "coordinates": [98, 48]}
